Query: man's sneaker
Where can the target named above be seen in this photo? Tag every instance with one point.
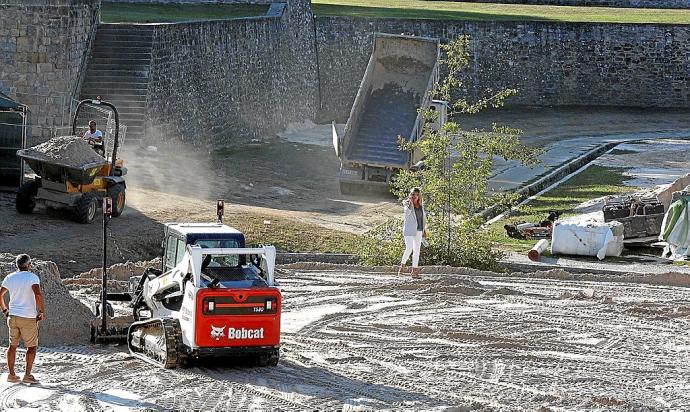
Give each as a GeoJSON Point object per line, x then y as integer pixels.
{"type": "Point", "coordinates": [12, 378]}
{"type": "Point", "coordinates": [29, 379]}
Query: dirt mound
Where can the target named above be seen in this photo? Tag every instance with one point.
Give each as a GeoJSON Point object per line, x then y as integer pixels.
{"type": "Point", "coordinates": [118, 277]}
{"type": "Point", "coordinates": [67, 319]}
{"type": "Point", "coordinates": [122, 271]}
{"type": "Point", "coordinates": [67, 150]}
{"type": "Point", "coordinates": [503, 291]}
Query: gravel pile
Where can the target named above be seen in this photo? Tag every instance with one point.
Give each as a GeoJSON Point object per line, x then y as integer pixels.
{"type": "Point", "coordinates": [67, 150]}
{"type": "Point", "coordinates": [67, 319]}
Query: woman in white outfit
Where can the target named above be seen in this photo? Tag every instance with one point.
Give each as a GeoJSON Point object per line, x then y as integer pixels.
{"type": "Point", "coordinates": [414, 229]}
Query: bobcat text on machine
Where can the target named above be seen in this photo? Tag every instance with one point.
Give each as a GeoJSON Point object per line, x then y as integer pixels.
{"type": "Point", "coordinates": [214, 297]}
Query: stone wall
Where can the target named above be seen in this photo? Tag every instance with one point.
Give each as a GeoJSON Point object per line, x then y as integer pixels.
{"type": "Point", "coordinates": [657, 4]}
{"type": "Point", "coordinates": [192, 1]}
{"type": "Point", "coordinates": [43, 45]}
{"type": "Point", "coordinates": [220, 80]}
{"type": "Point", "coordinates": [550, 63]}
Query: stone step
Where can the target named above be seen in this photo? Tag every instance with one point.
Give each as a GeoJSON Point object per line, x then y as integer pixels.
{"type": "Point", "coordinates": [118, 54]}
{"type": "Point", "coordinates": [114, 72]}
{"type": "Point", "coordinates": [109, 91]}
{"type": "Point", "coordinates": [98, 82]}
{"type": "Point", "coordinates": [131, 123]}
{"type": "Point", "coordinates": [124, 60]}
{"type": "Point", "coordinates": [106, 77]}
{"type": "Point", "coordinates": [119, 66]}
{"type": "Point", "coordinates": [124, 37]}
{"type": "Point", "coordinates": [130, 108]}
{"type": "Point", "coordinates": [118, 99]}
{"type": "Point", "coordinates": [141, 30]}
{"type": "Point", "coordinates": [138, 117]}
{"type": "Point", "coordinates": [134, 44]}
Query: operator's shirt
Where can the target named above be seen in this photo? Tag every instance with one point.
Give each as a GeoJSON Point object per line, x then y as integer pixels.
{"type": "Point", "coordinates": [22, 297]}
{"type": "Point", "coordinates": [95, 136]}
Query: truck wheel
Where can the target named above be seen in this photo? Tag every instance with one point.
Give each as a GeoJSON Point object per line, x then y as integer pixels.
{"type": "Point", "coordinates": [86, 208]}
{"type": "Point", "coordinates": [26, 197]}
{"type": "Point", "coordinates": [117, 193]}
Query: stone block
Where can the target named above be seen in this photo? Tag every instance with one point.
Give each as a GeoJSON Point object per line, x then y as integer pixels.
{"type": "Point", "coordinates": [37, 57]}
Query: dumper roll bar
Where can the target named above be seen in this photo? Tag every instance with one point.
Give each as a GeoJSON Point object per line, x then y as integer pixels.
{"type": "Point", "coordinates": [117, 126]}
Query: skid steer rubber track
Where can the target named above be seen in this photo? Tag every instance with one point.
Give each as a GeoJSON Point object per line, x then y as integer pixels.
{"type": "Point", "coordinates": [157, 341]}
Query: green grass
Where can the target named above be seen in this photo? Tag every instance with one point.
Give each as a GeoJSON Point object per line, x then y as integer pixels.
{"type": "Point", "coordinates": [290, 235]}
{"type": "Point", "coordinates": [594, 182]}
{"type": "Point", "coordinates": [168, 13]}
{"type": "Point", "coordinates": [450, 10]}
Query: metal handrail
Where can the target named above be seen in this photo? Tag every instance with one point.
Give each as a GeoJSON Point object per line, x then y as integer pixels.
{"type": "Point", "coordinates": [87, 52]}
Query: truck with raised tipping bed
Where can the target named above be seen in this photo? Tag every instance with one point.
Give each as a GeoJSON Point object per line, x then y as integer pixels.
{"type": "Point", "coordinates": [397, 82]}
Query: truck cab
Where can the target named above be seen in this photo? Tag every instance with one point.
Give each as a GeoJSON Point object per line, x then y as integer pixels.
{"type": "Point", "coordinates": [207, 235]}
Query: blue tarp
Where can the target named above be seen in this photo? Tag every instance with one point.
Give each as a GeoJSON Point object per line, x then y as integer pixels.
{"type": "Point", "coordinates": [7, 103]}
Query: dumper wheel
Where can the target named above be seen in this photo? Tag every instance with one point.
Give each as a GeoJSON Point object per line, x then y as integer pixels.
{"type": "Point", "coordinates": [26, 197]}
{"type": "Point", "coordinates": [87, 205]}
{"type": "Point", "coordinates": [117, 193]}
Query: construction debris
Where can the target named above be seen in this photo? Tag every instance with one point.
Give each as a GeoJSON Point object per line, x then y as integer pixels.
{"type": "Point", "coordinates": [541, 230]}
{"type": "Point", "coordinates": [67, 320]}
{"type": "Point", "coordinates": [641, 215]}
{"type": "Point", "coordinates": [535, 253]}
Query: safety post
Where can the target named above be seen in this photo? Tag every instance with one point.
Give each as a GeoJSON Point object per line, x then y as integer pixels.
{"type": "Point", "coordinates": [107, 211]}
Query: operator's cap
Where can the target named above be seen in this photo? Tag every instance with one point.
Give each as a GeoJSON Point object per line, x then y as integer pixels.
{"type": "Point", "coordinates": [23, 260]}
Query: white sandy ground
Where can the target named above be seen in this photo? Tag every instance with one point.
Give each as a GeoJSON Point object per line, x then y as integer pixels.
{"type": "Point", "coordinates": [362, 341]}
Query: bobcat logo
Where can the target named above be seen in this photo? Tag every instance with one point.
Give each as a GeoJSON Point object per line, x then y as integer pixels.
{"type": "Point", "coordinates": [217, 333]}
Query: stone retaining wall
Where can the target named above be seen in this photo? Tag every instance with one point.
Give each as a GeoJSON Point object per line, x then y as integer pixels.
{"type": "Point", "coordinates": [219, 80]}
{"type": "Point", "coordinates": [550, 63]}
{"type": "Point", "coordinates": [43, 45]}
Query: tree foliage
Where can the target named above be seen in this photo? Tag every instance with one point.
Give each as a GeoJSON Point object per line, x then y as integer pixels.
{"type": "Point", "coordinates": [457, 165]}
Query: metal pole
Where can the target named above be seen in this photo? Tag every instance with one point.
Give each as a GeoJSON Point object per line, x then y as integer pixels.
{"type": "Point", "coordinates": [448, 207]}
{"type": "Point", "coordinates": [107, 209]}
{"type": "Point", "coordinates": [105, 276]}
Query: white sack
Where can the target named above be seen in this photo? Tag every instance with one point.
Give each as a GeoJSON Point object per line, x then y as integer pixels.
{"type": "Point", "coordinates": [587, 238]}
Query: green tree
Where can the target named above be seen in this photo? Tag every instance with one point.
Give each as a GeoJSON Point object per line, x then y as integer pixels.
{"type": "Point", "coordinates": [454, 178]}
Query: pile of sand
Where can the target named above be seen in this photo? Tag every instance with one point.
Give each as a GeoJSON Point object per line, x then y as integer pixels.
{"type": "Point", "coordinates": [118, 277]}
{"type": "Point", "coordinates": [66, 150]}
{"type": "Point", "coordinates": [67, 320]}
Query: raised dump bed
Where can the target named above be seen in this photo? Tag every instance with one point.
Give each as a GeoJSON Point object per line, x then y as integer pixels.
{"type": "Point", "coordinates": [400, 73]}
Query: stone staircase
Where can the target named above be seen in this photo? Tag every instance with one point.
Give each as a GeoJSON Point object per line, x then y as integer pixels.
{"type": "Point", "coordinates": [118, 71]}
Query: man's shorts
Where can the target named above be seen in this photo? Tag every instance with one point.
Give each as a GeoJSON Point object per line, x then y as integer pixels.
{"type": "Point", "coordinates": [25, 329]}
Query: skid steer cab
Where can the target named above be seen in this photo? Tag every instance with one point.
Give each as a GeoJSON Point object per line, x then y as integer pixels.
{"type": "Point", "coordinates": [213, 297]}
